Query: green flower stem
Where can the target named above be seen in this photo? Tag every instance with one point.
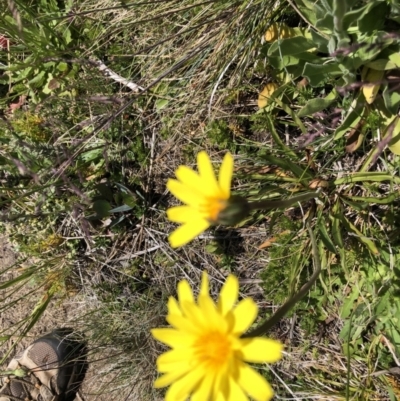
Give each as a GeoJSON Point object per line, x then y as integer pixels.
{"type": "Point", "coordinates": [282, 203]}
{"type": "Point", "coordinates": [286, 307]}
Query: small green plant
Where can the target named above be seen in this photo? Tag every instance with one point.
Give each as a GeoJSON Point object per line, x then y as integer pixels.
{"type": "Point", "coordinates": [353, 49]}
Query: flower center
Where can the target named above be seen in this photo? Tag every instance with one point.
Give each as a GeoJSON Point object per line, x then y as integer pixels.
{"type": "Point", "coordinates": [213, 207]}
{"type": "Point", "coordinates": [214, 349]}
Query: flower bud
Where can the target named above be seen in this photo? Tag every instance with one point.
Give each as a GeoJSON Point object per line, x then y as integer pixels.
{"type": "Point", "coordinates": [237, 208]}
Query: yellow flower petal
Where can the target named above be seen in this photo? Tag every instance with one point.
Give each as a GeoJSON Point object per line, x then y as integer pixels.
{"type": "Point", "coordinates": [195, 314]}
{"type": "Point", "coordinates": [173, 356]}
{"type": "Point", "coordinates": [189, 177]}
{"type": "Point", "coordinates": [254, 384]}
{"type": "Point", "coordinates": [206, 171]}
{"type": "Point", "coordinates": [194, 181]}
{"type": "Point", "coordinates": [204, 289]}
{"type": "Point", "coordinates": [229, 294]}
{"type": "Point", "coordinates": [183, 387]}
{"type": "Point", "coordinates": [168, 378]}
{"type": "Point", "coordinates": [235, 392]}
{"type": "Point", "coordinates": [184, 292]}
{"type": "Point", "coordinates": [204, 197]}
{"type": "Point", "coordinates": [225, 174]}
{"type": "Point", "coordinates": [221, 387]}
{"type": "Point", "coordinates": [261, 349]}
{"type": "Point", "coordinates": [183, 214]}
{"type": "Point", "coordinates": [172, 337]}
{"type": "Point", "coordinates": [185, 194]}
{"type": "Point", "coordinates": [203, 390]}
{"type": "Point", "coordinates": [173, 367]}
{"type": "Point", "coordinates": [183, 324]}
{"type": "Point", "coordinates": [245, 313]}
{"type": "Point", "coordinates": [213, 316]}
{"type": "Point", "coordinates": [187, 232]}
{"type": "Point", "coordinates": [173, 307]}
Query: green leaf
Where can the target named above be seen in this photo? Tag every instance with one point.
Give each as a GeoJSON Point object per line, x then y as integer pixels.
{"type": "Point", "coordinates": [349, 303]}
{"type": "Point", "coordinates": [361, 237]}
{"type": "Point", "coordinates": [38, 79]}
{"type": "Point", "coordinates": [375, 18]}
{"type": "Point", "coordinates": [307, 10]}
{"type": "Point", "coordinates": [392, 99]}
{"type": "Point", "coordinates": [382, 64]}
{"type": "Point", "coordinates": [374, 176]}
{"type": "Point", "coordinates": [287, 165]}
{"type": "Point", "coordinates": [277, 138]}
{"type": "Point", "coordinates": [102, 208]}
{"type": "Point", "coordinates": [320, 41]}
{"type": "Point", "coordinates": [318, 73]}
{"type": "Point", "coordinates": [290, 46]}
{"type": "Point", "coordinates": [161, 103]}
{"type": "Point", "coordinates": [325, 237]}
{"type": "Point", "coordinates": [336, 226]}
{"type": "Point", "coordinates": [62, 66]}
{"type": "Point", "coordinates": [353, 117]}
{"type": "Point", "coordinates": [120, 209]}
{"type": "Point", "coordinates": [325, 23]}
{"type": "Point", "coordinates": [315, 105]}
{"type": "Point", "coordinates": [105, 191]}
{"type": "Point", "coordinates": [67, 36]}
{"type": "Point", "coordinates": [129, 200]}
{"type": "Point", "coordinates": [292, 114]}
{"type": "Point", "coordinates": [384, 200]}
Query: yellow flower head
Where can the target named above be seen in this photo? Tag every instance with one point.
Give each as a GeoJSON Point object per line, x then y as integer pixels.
{"type": "Point", "coordinates": [208, 358]}
{"type": "Point", "coordinates": [203, 195]}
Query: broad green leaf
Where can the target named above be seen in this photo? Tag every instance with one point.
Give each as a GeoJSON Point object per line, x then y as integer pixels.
{"type": "Point", "coordinates": [102, 208]}
{"type": "Point", "coordinates": [375, 18]}
{"type": "Point", "coordinates": [325, 24]}
{"type": "Point", "coordinates": [369, 50]}
{"type": "Point", "coordinates": [38, 79]}
{"type": "Point", "coordinates": [129, 200]}
{"type": "Point", "coordinates": [280, 63]}
{"type": "Point", "coordinates": [392, 99]}
{"type": "Point", "coordinates": [290, 46]}
{"type": "Point", "coordinates": [320, 41]}
{"type": "Point", "coordinates": [318, 104]}
{"type": "Point", "coordinates": [318, 73]}
{"type": "Point", "coordinates": [62, 66]}
{"type": "Point", "coordinates": [105, 191]}
{"type": "Point", "coordinates": [385, 64]}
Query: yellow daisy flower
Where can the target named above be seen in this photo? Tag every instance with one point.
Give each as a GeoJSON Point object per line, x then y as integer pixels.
{"type": "Point", "coordinates": [203, 195]}
{"type": "Point", "coordinates": [208, 358]}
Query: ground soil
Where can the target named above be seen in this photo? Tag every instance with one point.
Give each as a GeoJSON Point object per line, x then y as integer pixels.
{"type": "Point", "coordinates": [57, 314]}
